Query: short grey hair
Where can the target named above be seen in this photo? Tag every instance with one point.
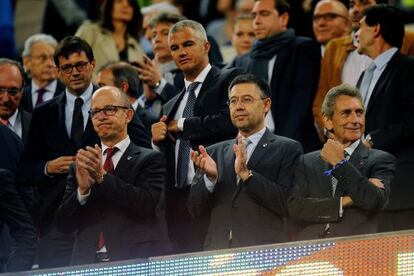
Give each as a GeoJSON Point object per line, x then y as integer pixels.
{"type": "Point", "coordinates": [329, 102]}
{"type": "Point", "coordinates": [45, 38]}
{"type": "Point", "coordinates": [197, 27]}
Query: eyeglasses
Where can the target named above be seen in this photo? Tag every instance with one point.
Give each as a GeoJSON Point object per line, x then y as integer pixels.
{"type": "Point", "coordinates": [244, 100]}
{"type": "Point", "coordinates": [13, 91]}
{"type": "Point", "coordinates": [68, 68]}
{"type": "Point", "coordinates": [43, 58]}
{"type": "Point", "coordinates": [326, 17]}
{"type": "Point", "coordinates": [109, 110]}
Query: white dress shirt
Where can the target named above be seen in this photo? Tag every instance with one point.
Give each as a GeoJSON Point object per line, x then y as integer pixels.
{"type": "Point", "coordinates": [70, 106]}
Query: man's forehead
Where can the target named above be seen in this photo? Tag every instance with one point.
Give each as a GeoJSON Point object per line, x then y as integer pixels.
{"type": "Point", "coordinates": [74, 55]}
{"type": "Point", "coordinates": [10, 72]}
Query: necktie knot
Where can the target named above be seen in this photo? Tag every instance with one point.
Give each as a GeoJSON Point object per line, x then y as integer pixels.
{"type": "Point", "coordinates": [78, 102]}
{"type": "Point", "coordinates": [110, 152]}
{"type": "Point", "coordinates": [192, 87]}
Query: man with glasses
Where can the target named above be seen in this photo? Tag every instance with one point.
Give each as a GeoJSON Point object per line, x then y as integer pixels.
{"type": "Point", "coordinates": [330, 20]}
{"type": "Point", "coordinates": [11, 82]}
{"type": "Point", "coordinates": [244, 182]}
{"type": "Point", "coordinates": [113, 190]}
{"type": "Point", "coordinates": [59, 128]}
{"type": "Point", "coordinates": [39, 64]}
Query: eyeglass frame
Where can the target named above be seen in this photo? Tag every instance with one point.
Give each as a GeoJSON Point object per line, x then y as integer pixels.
{"type": "Point", "coordinates": [243, 102]}
{"type": "Point", "coordinates": [94, 112]}
{"type": "Point", "coordinates": [80, 67]}
{"type": "Point", "coordinates": [12, 91]}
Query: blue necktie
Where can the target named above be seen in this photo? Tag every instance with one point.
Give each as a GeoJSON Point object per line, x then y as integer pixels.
{"type": "Point", "coordinates": [184, 147]}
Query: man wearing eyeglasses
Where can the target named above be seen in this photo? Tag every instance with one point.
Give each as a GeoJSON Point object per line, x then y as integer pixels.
{"type": "Point", "coordinates": [244, 182]}
{"type": "Point", "coordinates": [11, 84]}
{"type": "Point", "coordinates": [59, 128]}
{"type": "Point", "coordinates": [330, 20]}
{"type": "Point", "coordinates": [39, 64]}
{"type": "Point", "coordinates": [113, 190]}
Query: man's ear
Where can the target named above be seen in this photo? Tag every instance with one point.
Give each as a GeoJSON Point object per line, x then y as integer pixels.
{"type": "Point", "coordinates": [327, 122]}
{"type": "Point", "coordinates": [124, 87]}
{"type": "Point", "coordinates": [377, 30]}
{"type": "Point", "coordinates": [284, 20]}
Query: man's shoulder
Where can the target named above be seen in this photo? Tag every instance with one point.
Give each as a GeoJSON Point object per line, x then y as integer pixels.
{"type": "Point", "coordinates": [380, 155]}
{"type": "Point", "coordinates": [143, 152]}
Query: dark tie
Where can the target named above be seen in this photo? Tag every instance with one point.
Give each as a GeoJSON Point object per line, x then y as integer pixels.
{"type": "Point", "coordinates": [184, 148]}
{"type": "Point", "coordinates": [77, 122]}
{"type": "Point", "coordinates": [366, 82]}
{"type": "Point", "coordinates": [40, 92]}
{"type": "Point", "coordinates": [108, 165]}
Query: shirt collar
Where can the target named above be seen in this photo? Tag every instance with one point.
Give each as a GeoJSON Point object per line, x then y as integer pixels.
{"type": "Point", "coordinates": [50, 87]}
{"type": "Point", "coordinates": [352, 147]}
{"type": "Point", "coordinates": [200, 78]}
{"type": "Point", "coordinates": [122, 145]}
{"type": "Point", "coordinates": [385, 57]}
{"type": "Point", "coordinates": [86, 95]}
{"type": "Point", "coordinates": [13, 118]}
{"type": "Point", "coordinates": [255, 137]}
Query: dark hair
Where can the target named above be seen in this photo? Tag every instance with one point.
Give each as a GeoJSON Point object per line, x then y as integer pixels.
{"type": "Point", "coordinates": [133, 26]}
{"type": "Point", "coordinates": [250, 78]}
{"type": "Point", "coordinates": [281, 6]}
{"type": "Point", "coordinates": [70, 45]}
{"type": "Point", "coordinates": [6, 61]}
{"type": "Point", "coordinates": [166, 18]}
{"type": "Point", "coordinates": [329, 102]}
{"type": "Point", "coordinates": [391, 21]}
{"type": "Point", "coordinates": [124, 72]}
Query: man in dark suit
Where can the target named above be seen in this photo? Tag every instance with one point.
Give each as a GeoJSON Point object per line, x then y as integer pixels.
{"type": "Point", "coordinates": [39, 64]}
{"type": "Point", "coordinates": [113, 202]}
{"type": "Point", "coordinates": [13, 213]}
{"type": "Point", "coordinates": [11, 82]}
{"type": "Point", "coordinates": [59, 128]}
{"type": "Point", "coordinates": [196, 116]}
{"type": "Point", "coordinates": [290, 64]}
{"type": "Point", "coordinates": [388, 93]}
{"type": "Point", "coordinates": [244, 182]}
{"type": "Point", "coordinates": [125, 77]}
{"type": "Point", "coordinates": [341, 189]}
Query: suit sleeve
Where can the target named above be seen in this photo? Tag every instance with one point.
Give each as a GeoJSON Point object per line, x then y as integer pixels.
{"type": "Point", "coordinates": [138, 133]}
{"type": "Point", "coordinates": [363, 193]}
{"type": "Point", "coordinates": [198, 199]}
{"type": "Point", "coordinates": [15, 215]}
{"type": "Point", "coordinates": [273, 194]}
{"type": "Point", "coordinates": [302, 206]}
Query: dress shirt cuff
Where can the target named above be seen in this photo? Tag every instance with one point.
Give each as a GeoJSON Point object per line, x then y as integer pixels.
{"type": "Point", "coordinates": [82, 198]}
{"type": "Point", "coordinates": [341, 209]}
{"type": "Point", "coordinates": [180, 124]}
{"type": "Point", "coordinates": [45, 170]}
{"type": "Point", "coordinates": [154, 146]}
{"type": "Point", "coordinates": [209, 184]}
{"type": "Point", "coordinates": [160, 87]}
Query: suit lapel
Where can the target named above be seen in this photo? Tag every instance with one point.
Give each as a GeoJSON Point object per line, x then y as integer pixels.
{"type": "Point", "coordinates": [127, 160]}
{"type": "Point", "coordinates": [326, 181]}
{"type": "Point", "coordinates": [212, 75]}
{"type": "Point", "coordinates": [359, 157]}
{"type": "Point", "coordinates": [170, 108]}
{"type": "Point", "coordinates": [260, 151]}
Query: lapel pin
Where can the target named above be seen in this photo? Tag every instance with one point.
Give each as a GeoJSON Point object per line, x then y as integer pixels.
{"type": "Point", "coordinates": [264, 145]}
{"type": "Point", "coordinates": [129, 157]}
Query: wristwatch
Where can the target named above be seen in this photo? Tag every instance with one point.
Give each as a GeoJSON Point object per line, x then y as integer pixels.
{"type": "Point", "coordinates": [157, 85]}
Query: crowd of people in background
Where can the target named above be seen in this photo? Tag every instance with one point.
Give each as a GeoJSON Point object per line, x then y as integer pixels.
{"type": "Point", "coordinates": [131, 129]}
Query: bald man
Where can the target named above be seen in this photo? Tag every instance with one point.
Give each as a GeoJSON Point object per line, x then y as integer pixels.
{"type": "Point", "coordinates": [112, 190]}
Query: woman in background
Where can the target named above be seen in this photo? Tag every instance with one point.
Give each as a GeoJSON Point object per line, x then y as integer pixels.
{"type": "Point", "coordinates": [115, 37]}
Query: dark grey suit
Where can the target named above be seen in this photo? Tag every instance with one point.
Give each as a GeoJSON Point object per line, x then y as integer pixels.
{"type": "Point", "coordinates": [311, 199]}
{"type": "Point", "coordinates": [122, 207]}
{"type": "Point", "coordinates": [252, 210]}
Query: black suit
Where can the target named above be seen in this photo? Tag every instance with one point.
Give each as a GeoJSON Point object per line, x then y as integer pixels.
{"type": "Point", "coordinates": [252, 210]}
{"type": "Point", "coordinates": [11, 148]}
{"type": "Point", "coordinates": [122, 206]}
{"type": "Point", "coordinates": [293, 84]}
{"type": "Point", "coordinates": [390, 122]}
{"type": "Point", "coordinates": [210, 124]}
{"type": "Point", "coordinates": [13, 213]}
{"type": "Point", "coordinates": [26, 102]}
{"type": "Point", "coordinates": [312, 203]}
{"type": "Point", "coordinates": [26, 118]}
{"type": "Point", "coordinates": [48, 139]}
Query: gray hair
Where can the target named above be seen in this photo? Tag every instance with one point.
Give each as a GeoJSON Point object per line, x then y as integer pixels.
{"type": "Point", "coordinates": [329, 102]}
{"type": "Point", "coordinates": [197, 27]}
{"type": "Point", "coordinates": [45, 38]}
{"type": "Point", "coordinates": [160, 7]}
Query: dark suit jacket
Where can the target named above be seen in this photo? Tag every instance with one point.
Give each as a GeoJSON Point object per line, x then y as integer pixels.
{"type": "Point", "coordinates": [26, 102]}
{"type": "Point", "coordinates": [122, 206]}
{"type": "Point", "coordinates": [13, 213]}
{"type": "Point", "coordinates": [311, 199]}
{"type": "Point", "coordinates": [390, 121]}
{"type": "Point", "coordinates": [254, 209]}
{"type": "Point", "coordinates": [48, 139]}
{"type": "Point", "coordinates": [211, 120]}
{"type": "Point", "coordinates": [294, 81]}
{"type": "Point", "coordinates": [11, 148]}
{"type": "Point", "coordinates": [26, 118]}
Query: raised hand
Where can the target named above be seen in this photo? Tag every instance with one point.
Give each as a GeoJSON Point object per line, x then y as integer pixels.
{"type": "Point", "coordinates": [204, 162]}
